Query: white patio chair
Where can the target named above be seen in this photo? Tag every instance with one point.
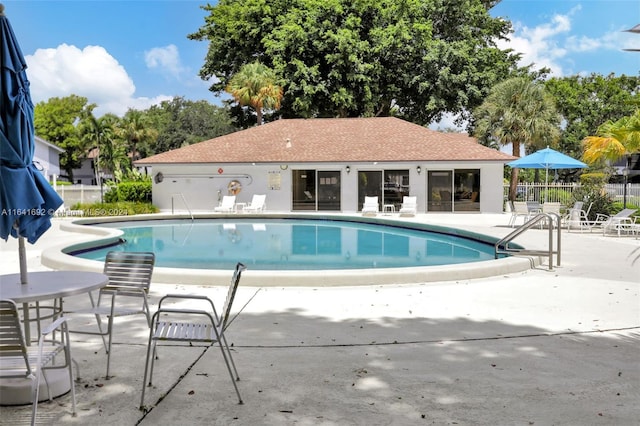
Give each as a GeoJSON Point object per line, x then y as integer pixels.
{"type": "Point", "coordinates": [126, 294]}
{"type": "Point", "coordinates": [227, 205]}
{"type": "Point", "coordinates": [552, 207]}
{"type": "Point", "coordinates": [409, 206]}
{"type": "Point", "coordinates": [370, 206]}
{"type": "Point", "coordinates": [17, 360]}
{"type": "Point", "coordinates": [577, 217]}
{"type": "Point", "coordinates": [518, 209]}
{"type": "Point", "coordinates": [203, 326]}
{"type": "Point", "coordinates": [257, 204]}
{"type": "Point", "coordinates": [622, 221]}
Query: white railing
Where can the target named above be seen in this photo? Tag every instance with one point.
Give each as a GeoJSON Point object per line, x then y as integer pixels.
{"type": "Point", "coordinates": [555, 191]}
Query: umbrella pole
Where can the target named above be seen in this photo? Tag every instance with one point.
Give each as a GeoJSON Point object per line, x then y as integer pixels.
{"type": "Point", "coordinates": [23, 261]}
{"type": "Point", "coordinates": [546, 183]}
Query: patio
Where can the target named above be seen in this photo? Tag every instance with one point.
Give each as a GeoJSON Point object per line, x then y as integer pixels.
{"type": "Point", "coordinates": [543, 347]}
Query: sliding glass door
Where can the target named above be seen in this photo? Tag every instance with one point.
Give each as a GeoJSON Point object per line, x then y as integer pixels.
{"type": "Point", "coordinates": [316, 190]}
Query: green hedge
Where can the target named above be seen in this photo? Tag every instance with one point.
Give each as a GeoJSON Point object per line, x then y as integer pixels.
{"type": "Point", "coordinates": [136, 191]}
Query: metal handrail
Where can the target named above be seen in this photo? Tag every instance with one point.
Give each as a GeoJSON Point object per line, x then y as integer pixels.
{"type": "Point", "coordinates": [185, 204]}
{"type": "Point", "coordinates": [502, 246]}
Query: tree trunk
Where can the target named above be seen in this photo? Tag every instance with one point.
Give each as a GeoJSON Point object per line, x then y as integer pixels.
{"type": "Point", "coordinates": [513, 184]}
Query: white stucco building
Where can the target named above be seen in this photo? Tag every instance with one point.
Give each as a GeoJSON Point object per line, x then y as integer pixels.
{"type": "Point", "coordinates": [47, 158]}
{"type": "Point", "coordinates": [331, 164]}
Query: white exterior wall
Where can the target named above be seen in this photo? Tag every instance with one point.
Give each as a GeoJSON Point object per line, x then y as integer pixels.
{"type": "Point", "coordinates": [48, 158]}
{"type": "Point", "coordinates": [85, 174]}
{"type": "Point", "coordinates": [201, 186]}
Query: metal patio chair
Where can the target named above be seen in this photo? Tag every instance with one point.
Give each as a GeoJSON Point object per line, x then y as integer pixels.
{"type": "Point", "coordinates": [202, 326]}
{"type": "Point", "coordinates": [17, 360]}
{"type": "Point", "coordinates": [126, 294]}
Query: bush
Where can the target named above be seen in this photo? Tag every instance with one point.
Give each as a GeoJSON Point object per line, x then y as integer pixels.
{"type": "Point", "coordinates": [121, 208]}
{"type": "Point", "coordinates": [600, 201]}
{"type": "Point", "coordinates": [138, 191]}
{"type": "Point", "coordinates": [560, 195]}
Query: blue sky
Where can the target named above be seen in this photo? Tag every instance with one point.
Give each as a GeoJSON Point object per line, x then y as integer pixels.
{"type": "Point", "coordinates": [122, 54]}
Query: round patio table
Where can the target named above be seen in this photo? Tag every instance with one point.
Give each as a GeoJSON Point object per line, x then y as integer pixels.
{"type": "Point", "coordinates": [43, 285]}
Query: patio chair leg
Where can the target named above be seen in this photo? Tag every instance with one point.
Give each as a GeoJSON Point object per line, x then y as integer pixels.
{"type": "Point", "coordinates": [110, 333]}
{"type": "Point", "coordinates": [148, 359]}
{"type": "Point", "coordinates": [226, 361]}
{"type": "Point", "coordinates": [233, 364]}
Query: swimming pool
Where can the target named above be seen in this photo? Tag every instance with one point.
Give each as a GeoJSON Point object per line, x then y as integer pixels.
{"type": "Point", "coordinates": [291, 244]}
{"type": "Point", "coordinates": [101, 232]}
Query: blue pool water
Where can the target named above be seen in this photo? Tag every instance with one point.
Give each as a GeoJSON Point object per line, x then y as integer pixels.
{"type": "Point", "coordinates": [291, 244]}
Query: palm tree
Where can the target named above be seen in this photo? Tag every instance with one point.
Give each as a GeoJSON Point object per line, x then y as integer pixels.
{"type": "Point", "coordinates": [97, 134]}
{"type": "Point", "coordinates": [133, 128]}
{"type": "Point", "coordinates": [614, 140]}
{"type": "Point", "coordinates": [255, 85]}
{"type": "Point", "coordinates": [517, 111]}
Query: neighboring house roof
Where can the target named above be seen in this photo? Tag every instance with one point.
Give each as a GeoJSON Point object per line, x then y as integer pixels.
{"type": "Point", "coordinates": [48, 144]}
{"type": "Point", "coordinates": [385, 139]}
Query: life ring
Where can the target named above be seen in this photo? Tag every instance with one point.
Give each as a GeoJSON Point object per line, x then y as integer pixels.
{"type": "Point", "coordinates": [234, 187]}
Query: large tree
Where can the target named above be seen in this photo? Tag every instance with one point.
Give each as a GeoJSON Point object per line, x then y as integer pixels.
{"type": "Point", "coordinates": [519, 112]}
{"type": "Point", "coordinates": [414, 58]}
{"type": "Point", "coordinates": [182, 122]}
{"type": "Point", "coordinates": [586, 102]}
{"type": "Point", "coordinates": [55, 121]}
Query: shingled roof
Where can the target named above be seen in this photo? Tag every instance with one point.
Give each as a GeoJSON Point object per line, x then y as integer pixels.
{"type": "Point", "coordinates": [385, 139]}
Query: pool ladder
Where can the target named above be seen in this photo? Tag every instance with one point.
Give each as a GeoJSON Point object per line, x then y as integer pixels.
{"type": "Point", "coordinates": [184, 201]}
{"type": "Point", "coordinates": [552, 219]}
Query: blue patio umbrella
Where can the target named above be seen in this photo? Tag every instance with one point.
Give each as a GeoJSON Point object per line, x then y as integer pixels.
{"type": "Point", "coordinates": [27, 200]}
{"type": "Point", "coordinates": [547, 159]}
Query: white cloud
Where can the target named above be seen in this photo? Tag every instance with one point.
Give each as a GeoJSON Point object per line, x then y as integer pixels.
{"type": "Point", "coordinates": [90, 72]}
{"type": "Point", "coordinates": [166, 59]}
{"type": "Point", "coordinates": [539, 45]}
{"type": "Point", "coordinates": [552, 44]}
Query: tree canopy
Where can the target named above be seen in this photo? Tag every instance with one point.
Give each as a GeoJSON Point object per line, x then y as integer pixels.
{"type": "Point", "coordinates": [413, 58]}
{"type": "Point", "coordinates": [180, 122]}
{"type": "Point", "coordinates": [586, 102]}
{"type": "Point", "coordinates": [55, 121]}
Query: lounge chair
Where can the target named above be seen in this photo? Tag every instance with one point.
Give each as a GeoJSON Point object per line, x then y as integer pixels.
{"type": "Point", "coordinates": [256, 205]}
{"type": "Point", "coordinates": [370, 206]}
{"type": "Point", "coordinates": [227, 205]}
{"type": "Point", "coordinates": [409, 206]}
{"type": "Point", "coordinates": [622, 221]}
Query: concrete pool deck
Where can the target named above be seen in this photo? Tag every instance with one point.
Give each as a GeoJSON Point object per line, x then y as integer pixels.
{"type": "Point", "coordinates": [533, 347]}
